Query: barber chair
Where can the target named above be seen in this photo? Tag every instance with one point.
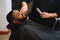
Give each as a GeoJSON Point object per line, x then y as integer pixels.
{"type": "Point", "coordinates": [57, 19]}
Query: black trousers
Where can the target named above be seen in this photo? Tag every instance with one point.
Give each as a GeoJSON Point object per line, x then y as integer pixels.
{"type": "Point", "coordinates": [34, 31]}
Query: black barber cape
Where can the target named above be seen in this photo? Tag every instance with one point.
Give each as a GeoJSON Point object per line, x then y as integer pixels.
{"type": "Point", "coordinates": [30, 30]}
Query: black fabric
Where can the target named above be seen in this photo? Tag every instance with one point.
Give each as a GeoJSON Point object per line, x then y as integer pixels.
{"type": "Point", "coordinates": [34, 31]}
{"type": "Point", "coordinates": [46, 6]}
{"type": "Point", "coordinates": [15, 35]}
{"type": "Point", "coordinates": [57, 26]}
{"type": "Point", "coordinates": [20, 32]}
{"type": "Point", "coordinates": [58, 7]}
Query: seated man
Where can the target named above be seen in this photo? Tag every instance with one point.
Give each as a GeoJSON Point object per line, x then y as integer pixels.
{"type": "Point", "coordinates": [18, 24]}
{"type": "Point", "coordinates": [16, 17]}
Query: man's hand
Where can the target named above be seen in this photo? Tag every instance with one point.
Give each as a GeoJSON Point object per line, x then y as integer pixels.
{"type": "Point", "coordinates": [44, 15]}
{"type": "Point", "coordinates": [48, 15]}
{"type": "Point", "coordinates": [24, 8]}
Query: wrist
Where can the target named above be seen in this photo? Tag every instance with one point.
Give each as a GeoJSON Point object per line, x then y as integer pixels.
{"type": "Point", "coordinates": [53, 15]}
{"type": "Point", "coordinates": [50, 15]}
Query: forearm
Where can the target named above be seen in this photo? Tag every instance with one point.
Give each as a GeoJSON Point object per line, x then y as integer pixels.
{"type": "Point", "coordinates": [24, 8]}
{"type": "Point", "coordinates": [53, 15]}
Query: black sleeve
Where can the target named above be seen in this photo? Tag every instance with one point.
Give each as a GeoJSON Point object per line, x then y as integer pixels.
{"type": "Point", "coordinates": [58, 7]}
{"type": "Point", "coordinates": [16, 4]}
{"type": "Point", "coordinates": [27, 1]}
